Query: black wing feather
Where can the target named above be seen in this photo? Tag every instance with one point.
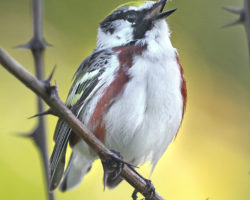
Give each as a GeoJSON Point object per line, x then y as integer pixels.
{"type": "Point", "coordinates": [96, 61]}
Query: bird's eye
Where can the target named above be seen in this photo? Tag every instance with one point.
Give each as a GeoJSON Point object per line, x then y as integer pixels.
{"type": "Point", "coordinates": [131, 17]}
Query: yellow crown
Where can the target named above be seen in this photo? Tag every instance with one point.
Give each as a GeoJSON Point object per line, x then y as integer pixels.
{"type": "Point", "coordinates": [131, 3]}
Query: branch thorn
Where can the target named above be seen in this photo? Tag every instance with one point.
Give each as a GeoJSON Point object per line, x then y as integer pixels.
{"type": "Point", "coordinates": [238, 11]}
{"type": "Point", "coordinates": [30, 135]}
{"type": "Point", "coordinates": [23, 135]}
{"type": "Point", "coordinates": [49, 88]}
{"type": "Point", "coordinates": [47, 112]}
{"type": "Point", "coordinates": [238, 21]}
{"type": "Point", "coordinates": [235, 10]}
{"type": "Point", "coordinates": [48, 80]}
{"type": "Point", "coordinates": [23, 46]}
{"type": "Point", "coordinates": [47, 44]}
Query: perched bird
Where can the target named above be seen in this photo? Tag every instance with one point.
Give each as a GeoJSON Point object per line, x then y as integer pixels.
{"type": "Point", "coordinates": [130, 92]}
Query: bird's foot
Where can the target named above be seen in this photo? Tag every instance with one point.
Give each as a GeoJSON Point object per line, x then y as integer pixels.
{"type": "Point", "coordinates": [149, 191]}
{"type": "Point", "coordinates": [112, 169]}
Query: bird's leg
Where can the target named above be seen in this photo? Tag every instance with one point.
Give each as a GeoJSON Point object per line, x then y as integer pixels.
{"type": "Point", "coordinates": [112, 169]}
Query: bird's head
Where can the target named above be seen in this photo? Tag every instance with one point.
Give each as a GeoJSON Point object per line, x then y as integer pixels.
{"type": "Point", "coordinates": [133, 21]}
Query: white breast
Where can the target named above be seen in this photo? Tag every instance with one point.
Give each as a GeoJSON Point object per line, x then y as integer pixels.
{"type": "Point", "coordinates": [146, 117]}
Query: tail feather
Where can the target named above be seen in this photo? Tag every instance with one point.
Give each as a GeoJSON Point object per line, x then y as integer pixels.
{"type": "Point", "coordinates": [57, 159]}
{"type": "Point", "coordinates": [57, 172]}
{"type": "Point", "coordinates": [77, 168]}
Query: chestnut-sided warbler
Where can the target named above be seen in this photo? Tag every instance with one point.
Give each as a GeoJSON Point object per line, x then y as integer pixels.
{"type": "Point", "coordinates": [130, 92]}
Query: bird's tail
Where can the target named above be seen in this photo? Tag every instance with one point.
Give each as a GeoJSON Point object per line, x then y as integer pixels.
{"type": "Point", "coordinates": [78, 166]}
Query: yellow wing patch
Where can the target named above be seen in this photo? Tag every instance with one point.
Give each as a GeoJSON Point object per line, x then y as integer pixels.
{"type": "Point", "coordinates": [72, 99]}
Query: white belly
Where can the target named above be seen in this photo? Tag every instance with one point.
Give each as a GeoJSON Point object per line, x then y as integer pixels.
{"type": "Point", "coordinates": [145, 118]}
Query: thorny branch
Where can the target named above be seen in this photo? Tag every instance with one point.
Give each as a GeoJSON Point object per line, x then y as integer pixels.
{"type": "Point", "coordinates": [49, 94]}
{"type": "Point", "coordinates": [244, 17]}
{"type": "Point", "coordinates": [37, 46]}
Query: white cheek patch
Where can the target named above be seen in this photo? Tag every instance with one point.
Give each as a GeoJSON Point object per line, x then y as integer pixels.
{"type": "Point", "coordinates": [123, 33]}
{"type": "Point", "coordinates": [123, 29]}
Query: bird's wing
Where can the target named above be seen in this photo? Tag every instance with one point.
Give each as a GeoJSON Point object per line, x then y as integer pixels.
{"type": "Point", "coordinates": [83, 88]}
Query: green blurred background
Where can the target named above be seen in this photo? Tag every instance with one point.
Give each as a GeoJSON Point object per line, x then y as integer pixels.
{"type": "Point", "coordinates": [210, 159]}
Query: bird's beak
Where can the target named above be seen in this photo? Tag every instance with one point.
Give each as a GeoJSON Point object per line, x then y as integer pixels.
{"type": "Point", "coordinates": [156, 13]}
{"type": "Point", "coordinates": [151, 15]}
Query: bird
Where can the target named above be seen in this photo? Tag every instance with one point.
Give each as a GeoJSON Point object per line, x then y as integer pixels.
{"type": "Point", "coordinates": [130, 92]}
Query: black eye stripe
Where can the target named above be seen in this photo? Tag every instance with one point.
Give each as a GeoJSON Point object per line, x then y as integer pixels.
{"type": "Point", "coordinates": [128, 15]}
{"type": "Point", "coordinates": [107, 25]}
{"type": "Point", "coordinates": [131, 16]}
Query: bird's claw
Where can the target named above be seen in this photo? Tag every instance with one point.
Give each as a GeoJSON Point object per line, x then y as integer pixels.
{"type": "Point", "coordinates": [150, 190]}
{"type": "Point", "coordinates": [119, 159]}
{"type": "Point", "coordinates": [134, 195]}
{"type": "Point", "coordinates": [112, 169]}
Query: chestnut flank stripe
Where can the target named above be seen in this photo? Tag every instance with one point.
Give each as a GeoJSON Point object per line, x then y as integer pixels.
{"type": "Point", "coordinates": [183, 85]}
{"type": "Point", "coordinates": [183, 90]}
{"type": "Point", "coordinates": [125, 56]}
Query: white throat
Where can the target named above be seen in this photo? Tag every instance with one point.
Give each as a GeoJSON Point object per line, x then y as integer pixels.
{"type": "Point", "coordinates": [158, 42]}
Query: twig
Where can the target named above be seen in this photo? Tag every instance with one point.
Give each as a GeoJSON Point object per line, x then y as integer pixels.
{"type": "Point", "coordinates": [244, 17]}
{"type": "Point", "coordinates": [37, 46]}
{"type": "Point", "coordinates": [247, 20]}
{"type": "Point", "coordinates": [49, 94]}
